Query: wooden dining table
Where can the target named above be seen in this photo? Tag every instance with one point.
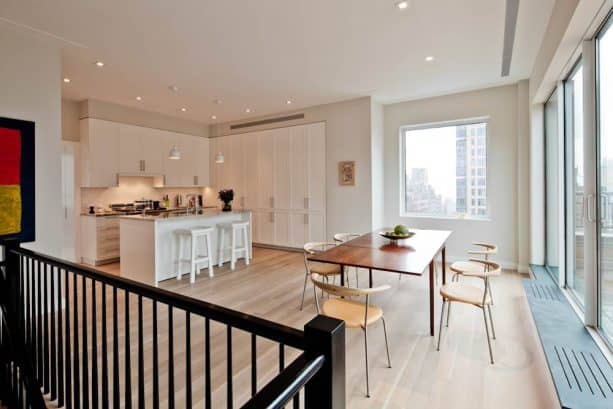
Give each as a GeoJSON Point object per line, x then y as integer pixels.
{"type": "Point", "coordinates": [410, 256]}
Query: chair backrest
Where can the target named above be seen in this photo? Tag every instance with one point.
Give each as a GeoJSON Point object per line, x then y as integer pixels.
{"type": "Point", "coordinates": [490, 268]}
{"type": "Point", "coordinates": [317, 246]}
{"type": "Point", "coordinates": [486, 250]}
{"type": "Point", "coordinates": [343, 237]}
{"type": "Point", "coordinates": [340, 291]}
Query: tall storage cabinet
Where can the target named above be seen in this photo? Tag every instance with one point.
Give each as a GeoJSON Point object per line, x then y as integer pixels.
{"type": "Point", "coordinates": [279, 174]}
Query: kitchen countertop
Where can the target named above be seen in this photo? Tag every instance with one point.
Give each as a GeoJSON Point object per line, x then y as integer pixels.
{"type": "Point", "coordinates": [138, 212]}
{"type": "Point", "coordinates": [183, 215]}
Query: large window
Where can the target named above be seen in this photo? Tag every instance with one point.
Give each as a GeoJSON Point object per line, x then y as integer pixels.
{"type": "Point", "coordinates": [605, 179]}
{"type": "Point", "coordinates": [552, 180]}
{"type": "Point", "coordinates": [444, 170]}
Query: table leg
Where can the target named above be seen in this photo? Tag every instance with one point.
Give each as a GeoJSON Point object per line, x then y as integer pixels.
{"type": "Point", "coordinates": [432, 298]}
{"type": "Point", "coordinates": [370, 278]}
{"type": "Point", "coordinates": [342, 275]}
{"type": "Point", "coordinates": [444, 262]}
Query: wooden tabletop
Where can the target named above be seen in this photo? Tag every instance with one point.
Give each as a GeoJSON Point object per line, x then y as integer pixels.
{"type": "Point", "coordinates": [408, 256]}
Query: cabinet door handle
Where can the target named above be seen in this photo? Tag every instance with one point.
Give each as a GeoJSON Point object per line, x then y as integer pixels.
{"type": "Point", "coordinates": [144, 165]}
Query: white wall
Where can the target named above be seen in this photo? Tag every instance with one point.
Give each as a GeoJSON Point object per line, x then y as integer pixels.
{"type": "Point", "coordinates": [348, 134]}
{"type": "Point", "coordinates": [523, 176]}
{"type": "Point", "coordinates": [500, 104]}
{"type": "Point", "coordinates": [377, 164]}
{"type": "Point", "coordinates": [30, 80]}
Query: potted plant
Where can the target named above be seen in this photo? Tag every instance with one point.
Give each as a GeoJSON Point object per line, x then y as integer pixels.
{"type": "Point", "coordinates": [226, 196]}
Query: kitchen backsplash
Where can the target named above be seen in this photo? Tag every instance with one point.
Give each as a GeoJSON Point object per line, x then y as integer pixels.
{"type": "Point", "coordinates": [133, 188]}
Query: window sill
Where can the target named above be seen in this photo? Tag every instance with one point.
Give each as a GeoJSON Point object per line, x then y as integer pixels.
{"type": "Point", "coordinates": [437, 217]}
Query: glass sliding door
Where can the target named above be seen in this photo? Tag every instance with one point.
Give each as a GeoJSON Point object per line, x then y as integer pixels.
{"type": "Point", "coordinates": [605, 181]}
{"type": "Point", "coordinates": [552, 191]}
{"type": "Point", "coordinates": [573, 119]}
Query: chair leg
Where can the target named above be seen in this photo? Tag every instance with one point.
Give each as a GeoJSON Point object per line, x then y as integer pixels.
{"type": "Point", "coordinates": [357, 274]}
{"type": "Point", "coordinates": [448, 313]}
{"type": "Point", "coordinates": [487, 333]}
{"type": "Point", "coordinates": [489, 290]}
{"type": "Point", "coordinates": [366, 355]}
{"type": "Point", "coordinates": [306, 276]}
{"type": "Point", "coordinates": [192, 277]}
{"type": "Point", "coordinates": [220, 251]}
{"type": "Point", "coordinates": [209, 254]}
{"type": "Point", "coordinates": [440, 326]}
{"type": "Point", "coordinates": [489, 311]}
{"type": "Point", "coordinates": [179, 255]}
{"type": "Point", "coordinates": [246, 244]}
{"type": "Point", "coordinates": [387, 347]}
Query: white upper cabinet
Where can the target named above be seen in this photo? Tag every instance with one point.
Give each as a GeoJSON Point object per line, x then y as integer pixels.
{"type": "Point", "coordinates": [265, 152]}
{"type": "Point", "coordinates": [298, 169]}
{"type": "Point", "coordinates": [281, 169]}
{"type": "Point", "coordinates": [202, 162]}
{"type": "Point", "coordinates": [99, 148]}
{"type": "Point", "coordinates": [316, 166]}
{"type": "Point", "coordinates": [130, 149]}
{"type": "Point", "coordinates": [154, 151]}
{"type": "Point", "coordinates": [250, 159]}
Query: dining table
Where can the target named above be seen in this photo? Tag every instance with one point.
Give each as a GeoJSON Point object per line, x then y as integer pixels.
{"type": "Point", "coordinates": [410, 256]}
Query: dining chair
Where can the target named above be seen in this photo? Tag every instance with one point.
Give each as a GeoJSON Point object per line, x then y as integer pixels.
{"type": "Point", "coordinates": [464, 268]}
{"type": "Point", "coordinates": [324, 269]}
{"type": "Point", "coordinates": [340, 238]}
{"type": "Point", "coordinates": [354, 313]}
{"type": "Point", "coordinates": [463, 292]}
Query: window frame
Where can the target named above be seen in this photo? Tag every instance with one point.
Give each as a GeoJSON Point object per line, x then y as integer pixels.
{"type": "Point", "coordinates": [402, 167]}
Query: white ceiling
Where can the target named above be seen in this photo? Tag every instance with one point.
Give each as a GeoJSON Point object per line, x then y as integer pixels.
{"type": "Point", "coordinates": [259, 53]}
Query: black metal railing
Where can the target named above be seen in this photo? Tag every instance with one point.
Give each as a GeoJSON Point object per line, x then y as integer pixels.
{"type": "Point", "coordinates": [81, 338]}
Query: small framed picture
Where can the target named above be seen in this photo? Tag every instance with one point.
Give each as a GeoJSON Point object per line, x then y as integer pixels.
{"type": "Point", "coordinates": [346, 173]}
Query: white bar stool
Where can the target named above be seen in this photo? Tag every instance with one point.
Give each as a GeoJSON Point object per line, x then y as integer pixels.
{"type": "Point", "coordinates": [192, 236]}
{"type": "Point", "coordinates": [239, 230]}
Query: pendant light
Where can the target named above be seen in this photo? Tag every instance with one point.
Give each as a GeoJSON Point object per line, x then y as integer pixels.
{"type": "Point", "coordinates": [219, 158]}
{"type": "Point", "coordinates": [174, 153]}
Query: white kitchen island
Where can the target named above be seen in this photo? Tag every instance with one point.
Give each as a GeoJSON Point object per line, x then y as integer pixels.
{"type": "Point", "coordinates": [148, 245]}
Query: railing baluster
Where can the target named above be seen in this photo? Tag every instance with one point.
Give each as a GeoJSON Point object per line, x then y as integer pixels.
{"type": "Point", "coordinates": [67, 339]}
{"type": "Point", "coordinates": [281, 357]}
{"type": "Point", "coordinates": [76, 372]}
{"type": "Point", "coordinates": [46, 382]}
{"type": "Point", "coordinates": [188, 362]}
{"type": "Point", "coordinates": [207, 364]}
{"type": "Point", "coordinates": [53, 316]}
{"type": "Point", "coordinates": [297, 400]}
{"type": "Point", "coordinates": [254, 365]}
{"type": "Point", "coordinates": [85, 375]}
{"type": "Point", "coordinates": [39, 325]}
{"type": "Point", "coordinates": [28, 301]}
{"type": "Point", "coordinates": [156, 380]}
{"type": "Point", "coordinates": [128, 361]}
{"type": "Point", "coordinates": [94, 349]}
{"type": "Point", "coordinates": [141, 357]}
{"type": "Point", "coordinates": [115, 353]}
{"type": "Point", "coordinates": [229, 390]}
{"type": "Point", "coordinates": [105, 357]}
{"type": "Point", "coordinates": [171, 365]}
{"type": "Point", "coordinates": [60, 342]}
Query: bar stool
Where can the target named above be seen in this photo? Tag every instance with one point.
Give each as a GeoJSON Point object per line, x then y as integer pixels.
{"type": "Point", "coordinates": [193, 236]}
{"type": "Point", "coordinates": [239, 230]}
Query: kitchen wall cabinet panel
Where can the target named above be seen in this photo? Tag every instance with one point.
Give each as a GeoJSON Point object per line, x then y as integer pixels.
{"type": "Point", "coordinates": [281, 222]}
{"type": "Point", "coordinates": [316, 223]}
{"type": "Point", "coordinates": [99, 153]}
{"type": "Point", "coordinates": [249, 143]}
{"type": "Point", "coordinates": [316, 166]}
{"type": "Point", "coordinates": [298, 169]}
{"type": "Point", "coordinates": [265, 170]}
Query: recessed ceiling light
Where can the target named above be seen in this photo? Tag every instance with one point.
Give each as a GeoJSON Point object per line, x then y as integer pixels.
{"type": "Point", "coordinates": [288, 102]}
{"type": "Point", "coordinates": [213, 117]}
{"type": "Point", "coordinates": [429, 58]}
{"type": "Point", "coordinates": [99, 64]}
{"type": "Point", "coordinates": [183, 109]}
{"type": "Point", "coordinates": [66, 80]}
{"type": "Point", "coordinates": [402, 5]}
{"type": "Point", "coordinates": [173, 88]}
{"type": "Point", "coordinates": [248, 110]}
{"type": "Point", "coordinates": [218, 101]}
{"type": "Point", "coordinates": [139, 98]}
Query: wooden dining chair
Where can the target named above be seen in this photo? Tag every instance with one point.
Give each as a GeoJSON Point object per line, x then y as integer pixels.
{"type": "Point", "coordinates": [354, 313]}
{"type": "Point", "coordinates": [463, 292]}
{"type": "Point", "coordinates": [324, 269]}
{"type": "Point", "coordinates": [471, 268]}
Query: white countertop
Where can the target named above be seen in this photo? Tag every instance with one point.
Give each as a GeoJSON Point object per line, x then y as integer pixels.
{"type": "Point", "coordinates": [204, 213]}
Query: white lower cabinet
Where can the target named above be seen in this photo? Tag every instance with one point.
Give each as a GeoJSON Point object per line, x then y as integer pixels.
{"type": "Point", "coordinates": [99, 240]}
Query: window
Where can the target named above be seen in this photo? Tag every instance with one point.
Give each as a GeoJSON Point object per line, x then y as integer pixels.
{"type": "Point", "coordinates": [552, 190]}
{"type": "Point", "coordinates": [442, 166]}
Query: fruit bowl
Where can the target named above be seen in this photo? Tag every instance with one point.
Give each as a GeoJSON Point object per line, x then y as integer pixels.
{"type": "Point", "coordinates": [390, 235]}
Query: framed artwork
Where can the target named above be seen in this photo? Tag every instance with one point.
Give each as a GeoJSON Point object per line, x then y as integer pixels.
{"type": "Point", "coordinates": [16, 180]}
{"type": "Point", "coordinates": [346, 173]}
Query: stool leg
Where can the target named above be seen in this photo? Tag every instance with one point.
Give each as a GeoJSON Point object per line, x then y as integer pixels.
{"type": "Point", "coordinates": [221, 240]}
{"type": "Point", "coordinates": [179, 258]}
{"type": "Point", "coordinates": [200, 247]}
{"type": "Point", "coordinates": [192, 278]}
{"type": "Point", "coordinates": [209, 254]}
{"type": "Point", "coordinates": [233, 250]}
{"type": "Point", "coordinates": [246, 243]}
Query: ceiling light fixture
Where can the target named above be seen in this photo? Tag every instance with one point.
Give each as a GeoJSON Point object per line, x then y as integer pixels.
{"type": "Point", "coordinates": [219, 158]}
{"type": "Point", "coordinates": [99, 64]}
{"type": "Point", "coordinates": [429, 58]}
{"type": "Point", "coordinates": [66, 80]}
{"type": "Point", "coordinates": [174, 153]}
{"type": "Point", "coordinates": [248, 110]}
{"type": "Point", "coordinates": [218, 101]}
{"type": "Point", "coordinates": [288, 102]}
{"type": "Point", "coordinates": [184, 109]}
{"type": "Point", "coordinates": [139, 98]}
{"type": "Point", "coordinates": [173, 88]}
{"type": "Point", "coordinates": [213, 117]}
{"type": "Point", "coordinates": [402, 5]}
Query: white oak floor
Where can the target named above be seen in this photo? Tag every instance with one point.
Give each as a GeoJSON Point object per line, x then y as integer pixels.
{"type": "Point", "coordinates": [459, 376]}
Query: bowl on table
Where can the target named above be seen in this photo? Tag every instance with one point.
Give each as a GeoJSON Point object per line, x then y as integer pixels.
{"type": "Point", "coordinates": [393, 236]}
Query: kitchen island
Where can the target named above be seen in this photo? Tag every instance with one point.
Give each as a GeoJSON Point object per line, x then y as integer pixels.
{"type": "Point", "coordinates": [148, 244]}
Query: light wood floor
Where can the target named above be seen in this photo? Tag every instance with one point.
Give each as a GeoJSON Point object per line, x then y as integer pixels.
{"type": "Point", "coordinates": [459, 376]}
